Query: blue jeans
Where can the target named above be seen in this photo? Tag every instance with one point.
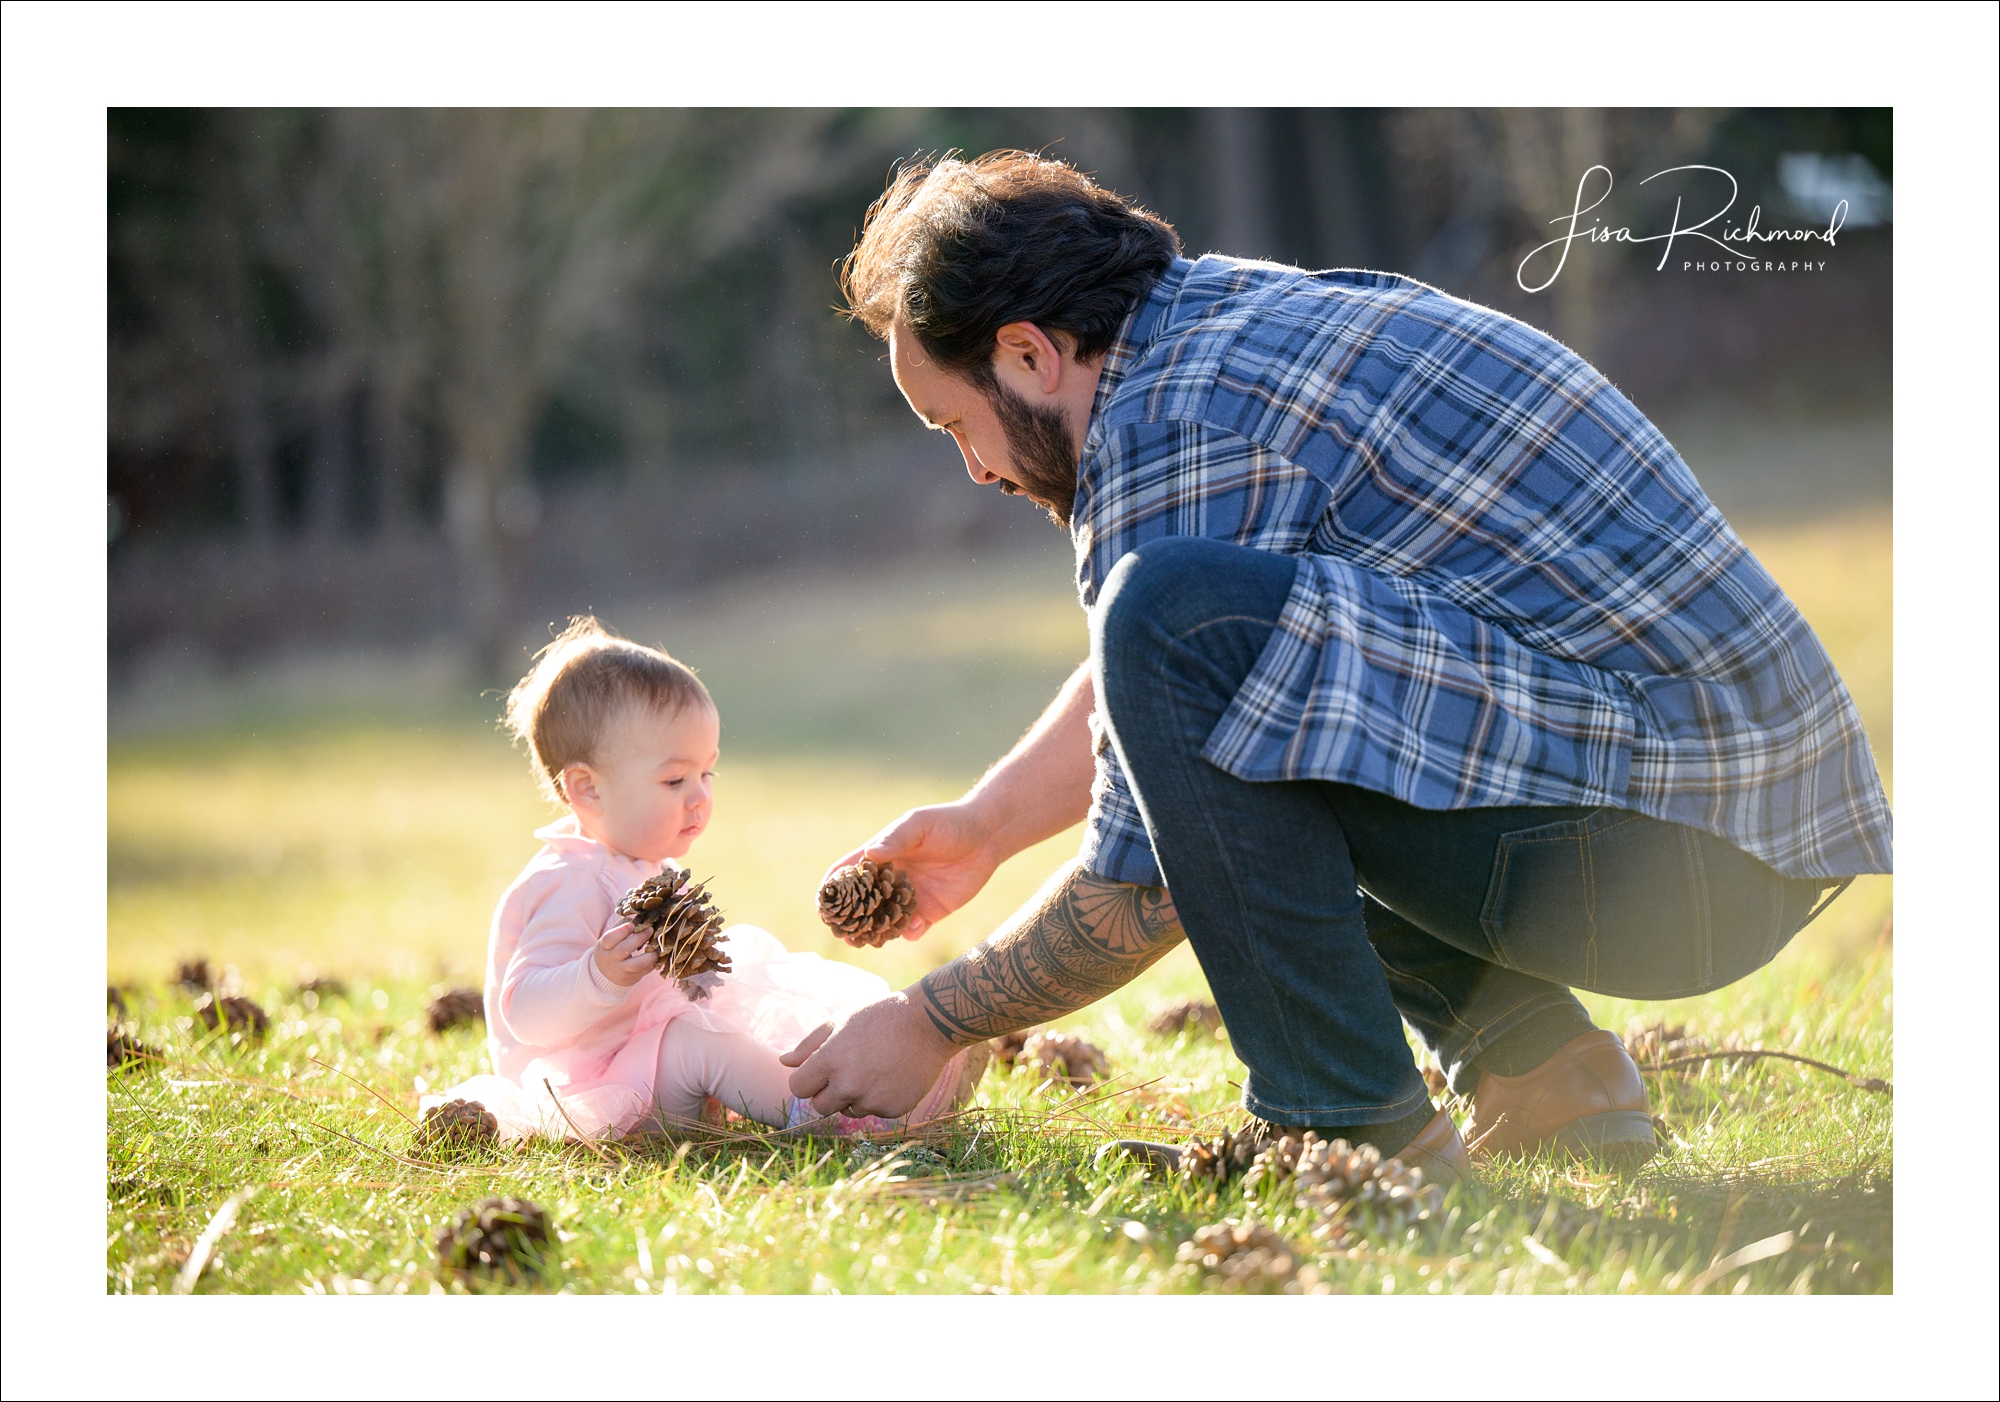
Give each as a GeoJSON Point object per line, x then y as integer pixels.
{"type": "Point", "coordinates": [1324, 915]}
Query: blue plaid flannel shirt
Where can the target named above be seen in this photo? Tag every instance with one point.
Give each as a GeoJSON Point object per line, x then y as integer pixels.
{"type": "Point", "coordinates": [1512, 590]}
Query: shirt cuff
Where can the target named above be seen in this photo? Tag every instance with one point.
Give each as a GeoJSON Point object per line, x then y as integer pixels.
{"type": "Point", "coordinates": [600, 989]}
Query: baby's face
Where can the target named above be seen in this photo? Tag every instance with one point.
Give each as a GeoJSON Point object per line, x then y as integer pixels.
{"type": "Point", "coordinates": [655, 783]}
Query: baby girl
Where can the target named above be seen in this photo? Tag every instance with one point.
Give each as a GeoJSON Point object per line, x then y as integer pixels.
{"type": "Point", "coordinates": [585, 1036]}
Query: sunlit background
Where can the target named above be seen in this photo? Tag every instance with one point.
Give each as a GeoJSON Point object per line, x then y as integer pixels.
{"type": "Point", "coordinates": [392, 392]}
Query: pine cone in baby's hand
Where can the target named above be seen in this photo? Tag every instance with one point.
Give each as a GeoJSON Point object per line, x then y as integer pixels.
{"type": "Point", "coordinates": [867, 903]}
{"type": "Point", "coordinates": [683, 929]}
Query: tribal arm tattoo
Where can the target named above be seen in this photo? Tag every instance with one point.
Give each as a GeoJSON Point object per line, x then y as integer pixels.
{"type": "Point", "coordinates": [1079, 938]}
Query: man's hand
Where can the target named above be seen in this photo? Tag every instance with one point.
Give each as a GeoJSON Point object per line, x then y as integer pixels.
{"type": "Point", "coordinates": [1077, 939]}
{"type": "Point", "coordinates": [944, 849]}
{"type": "Point", "coordinates": [1042, 786]}
{"type": "Point", "coordinates": [880, 1061]}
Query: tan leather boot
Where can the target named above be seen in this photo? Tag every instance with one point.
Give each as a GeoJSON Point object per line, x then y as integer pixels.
{"type": "Point", "coordinates": [1587, 1101]}
{"type": "Point", "coordinates": [1439, 1152]}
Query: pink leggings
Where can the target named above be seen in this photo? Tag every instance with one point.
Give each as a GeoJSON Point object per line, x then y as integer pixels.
{"type": "Point", "coordinates": [736, 1069]}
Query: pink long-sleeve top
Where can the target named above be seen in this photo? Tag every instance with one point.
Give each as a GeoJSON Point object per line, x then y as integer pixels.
{"type": "Point", "coordinates": [550, 1013]}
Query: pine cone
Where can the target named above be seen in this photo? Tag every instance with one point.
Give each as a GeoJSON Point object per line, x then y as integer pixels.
{"type": "Point", "coordinates": [114, 1000]}
{"type": "Point", "coordinates": [1214, 1159]}
{"type": "Point", "coordinates": [122, 1053]}
{"type": "Point", "coordinates": [1649, 1046]}
{"type": "Point", "coordinates": [1243, 1256]}
{"type": "Point", "coordinates": [455, 1126]}
{"type": "Point", "coordinates": [1007, 1047]}
{"type": "Point", "coordinates": [323, 988]}
{"type": "Point", "coordinates": [1064, 1056]}
{"type": "Point", "coordinates": [683, 928]}
{"type": "Point", "coordinates": [499, 1238]}
{"type": "Point", "coordinates": [455, 1006]}
{"type": "Point", "coordinates": [1357, 1189]}
{"type": "Point", "coordinates": [194, 976]}
{"type": "Point", "coordinates": [1174, 1018]}
{"type": "Point", "coordinates": [240, 1014]}
{"type": "Point", "coordinates": [867, 903]}
{"type": "Point", "coordinates": [1276, 1162]}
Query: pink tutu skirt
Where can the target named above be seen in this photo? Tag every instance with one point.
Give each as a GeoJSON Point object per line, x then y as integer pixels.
{"type": "Point", "coordinates": [770, 994]}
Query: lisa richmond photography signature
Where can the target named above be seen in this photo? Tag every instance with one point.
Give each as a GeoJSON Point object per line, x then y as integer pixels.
{"type": "Point", "coordinates": [1742, 240]}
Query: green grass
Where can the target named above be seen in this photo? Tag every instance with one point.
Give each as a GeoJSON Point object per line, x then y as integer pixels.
{"type": "Point", "coordinates": [294, 837]}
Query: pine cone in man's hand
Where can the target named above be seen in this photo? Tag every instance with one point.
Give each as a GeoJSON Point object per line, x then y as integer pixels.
{"type": "Point", "coordinates": [869, 903]}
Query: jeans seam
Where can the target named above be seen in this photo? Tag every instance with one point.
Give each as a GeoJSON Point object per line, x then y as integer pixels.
{"type": "Point", "coordinates": [1270, 623]}
{"type": "Point", "coordinates": [1435, 991]}
{"type": "Point", "coordinates": [1222, 848]}
{"type": "Point", "coordinates": [1489, 918]}
{"type": "Point", "coordinates": [1479, 1043]}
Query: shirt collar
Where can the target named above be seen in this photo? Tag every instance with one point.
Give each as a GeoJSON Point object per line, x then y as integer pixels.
{"type": "Point", "coordinates": [1142, 326]}
{"type": "Point", "coordinates": [565, 835]}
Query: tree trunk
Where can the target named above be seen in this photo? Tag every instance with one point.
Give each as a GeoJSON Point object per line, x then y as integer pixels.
{"type": "Point", "coordinates": [1239, 182]}
{"type": "Point", "coordinates": [234, 346]}
{"type": "Point", "coordinates": [251, 449]}
{"type": "Point", "coordinates": [332, 462]}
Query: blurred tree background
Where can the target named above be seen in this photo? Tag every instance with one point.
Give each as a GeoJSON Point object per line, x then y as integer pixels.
{"type": "Point", "coordinates": [392, 377]}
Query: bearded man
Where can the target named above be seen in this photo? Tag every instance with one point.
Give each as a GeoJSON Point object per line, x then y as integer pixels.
{"type": "Point", "coordinates": [1425, 683]}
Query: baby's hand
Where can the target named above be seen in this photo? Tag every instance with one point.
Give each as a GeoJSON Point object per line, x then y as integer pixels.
{"type": "Point", "coordinates": [622, 956]}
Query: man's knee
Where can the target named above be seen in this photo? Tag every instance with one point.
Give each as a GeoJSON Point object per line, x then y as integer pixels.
{"type": "Point", "coordinates": [1168, 587]}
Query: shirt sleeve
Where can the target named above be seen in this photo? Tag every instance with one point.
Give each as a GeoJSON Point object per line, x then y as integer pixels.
{"type": "Point", "coordinates": [1115, 844]}
{"type": "Point", "coordinates": [1150, 481]}
{"type": "Point", "coordinates": [552, 989]}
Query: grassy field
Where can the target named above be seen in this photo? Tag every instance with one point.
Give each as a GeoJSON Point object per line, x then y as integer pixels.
{"type": "Point", "coordinates": [365, 835]}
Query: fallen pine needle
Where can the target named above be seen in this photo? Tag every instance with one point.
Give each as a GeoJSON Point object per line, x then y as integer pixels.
{"type": "Point", "coordinates": [364, 1085]}
{"type": "Point", "coordinates": [587, 1142]}
{"type": "Point", "coordinates": [1756, 1251]}
{"type": "Point", "coordinates": [413, 1163]}
{"type": "Point", "coordinates": [204, 1245]}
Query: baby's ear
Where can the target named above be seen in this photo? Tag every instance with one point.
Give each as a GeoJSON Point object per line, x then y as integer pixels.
{"type": "Point", "coordinates": [579, 787]}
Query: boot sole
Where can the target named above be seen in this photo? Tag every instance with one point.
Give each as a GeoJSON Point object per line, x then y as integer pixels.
{"type": "Point", "coordinates": [1621, 1137]}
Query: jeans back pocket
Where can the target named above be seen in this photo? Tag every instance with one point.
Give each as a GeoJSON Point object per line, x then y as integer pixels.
{"type": "Point", "coordinates": [1614, 902]}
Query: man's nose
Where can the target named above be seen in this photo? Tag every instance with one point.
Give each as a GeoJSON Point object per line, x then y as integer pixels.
{"type": "Point", "coordinates": [976, 469]}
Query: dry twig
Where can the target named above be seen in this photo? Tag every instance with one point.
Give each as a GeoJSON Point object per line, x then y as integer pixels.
{"type": "Point", "coordinates": [1864, 1082]}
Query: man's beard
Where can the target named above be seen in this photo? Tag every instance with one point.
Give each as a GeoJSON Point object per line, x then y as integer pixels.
{"type": "Point", "coordinates": [1044, 456]}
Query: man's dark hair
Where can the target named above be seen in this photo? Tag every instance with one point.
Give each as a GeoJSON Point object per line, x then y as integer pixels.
{"type": "Point", "coordinates": [959, 249]}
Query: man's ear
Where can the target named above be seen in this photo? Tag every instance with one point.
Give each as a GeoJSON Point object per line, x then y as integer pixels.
{"type": "Point", "coordinates": [1027, 359]}
{"type": "Point", "coordinates": [579, 784]}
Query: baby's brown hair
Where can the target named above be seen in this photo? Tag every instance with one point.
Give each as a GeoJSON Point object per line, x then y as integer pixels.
{"type": "Point", "coordinates": [581, 685]}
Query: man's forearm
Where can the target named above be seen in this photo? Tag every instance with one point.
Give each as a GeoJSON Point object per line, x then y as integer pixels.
{"type": "Point", "coordinates": [1042, 785]}
{"type": "Point", "coordinates": [1079, 938]}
